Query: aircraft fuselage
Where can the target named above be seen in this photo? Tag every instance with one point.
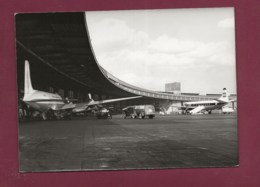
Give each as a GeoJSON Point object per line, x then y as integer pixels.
{"type": "Point", "coordinates": [209, 105]}
{"type": "Point", "coordinates": [42, 101]}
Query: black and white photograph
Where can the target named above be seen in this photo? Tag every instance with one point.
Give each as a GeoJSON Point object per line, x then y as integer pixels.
{"type": "Point", "coordinates": [126, 89]}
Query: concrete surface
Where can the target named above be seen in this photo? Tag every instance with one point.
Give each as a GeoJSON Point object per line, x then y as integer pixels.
{"type": "Point", "coordinates": [180, 141]}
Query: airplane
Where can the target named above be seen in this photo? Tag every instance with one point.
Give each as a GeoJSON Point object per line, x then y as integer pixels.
{"type": "Point", "coordinates": [196, 107]}
{"type": "Point", "coordinates": [44, 101]}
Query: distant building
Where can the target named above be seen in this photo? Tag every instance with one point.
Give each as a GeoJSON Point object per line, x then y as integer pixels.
{"type": "Point", "coordinates": [174, 87]}
{"type": "Point", "coordinates": [190, 94]}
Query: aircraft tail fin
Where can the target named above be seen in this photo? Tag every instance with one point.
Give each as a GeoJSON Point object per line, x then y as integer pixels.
{"type": "Point", "coordinates": [28, 89]}
{"type": "Point", "coordinates": [224, 96]}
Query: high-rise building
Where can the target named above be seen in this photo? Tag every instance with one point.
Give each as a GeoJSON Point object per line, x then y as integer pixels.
{"type": "Point", "coordinates": [174, 87]}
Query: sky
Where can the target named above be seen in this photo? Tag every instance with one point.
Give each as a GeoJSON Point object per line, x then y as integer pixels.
{"type": "Point", "coordinates": [148, 48]}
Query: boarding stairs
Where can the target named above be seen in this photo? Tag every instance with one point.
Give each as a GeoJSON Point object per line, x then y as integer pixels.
{"type": "Point", "coordinates": [197, 109]}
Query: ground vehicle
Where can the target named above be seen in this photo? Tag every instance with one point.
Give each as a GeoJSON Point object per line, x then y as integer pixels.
{"type": "Point", "coordinates": [103, 113]}
{"type": "Point", "coordinates": [227, 110]}
{"type": "Point", "coordinates": [140, 111]}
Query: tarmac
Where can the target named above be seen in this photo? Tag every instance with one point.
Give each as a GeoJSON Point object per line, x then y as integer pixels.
{"type": "Point", "coordinates": [175, 141]}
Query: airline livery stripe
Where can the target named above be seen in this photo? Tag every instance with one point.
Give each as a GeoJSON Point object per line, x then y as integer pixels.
{"type": "Point", "coordinates": [47, 100]}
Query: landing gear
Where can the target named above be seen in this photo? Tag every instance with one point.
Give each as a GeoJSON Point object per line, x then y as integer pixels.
{"type": "Point", "coordinates": [44, 116]}
{"type": "Point", "coordinates": [48, 115]}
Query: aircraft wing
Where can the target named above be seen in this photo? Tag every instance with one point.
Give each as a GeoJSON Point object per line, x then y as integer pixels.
{"type": "Point", "coordinates": [83, 106]}
{"type": "Point", "coordinates": [221, 101]}
{"type": "Point", "coordinates": [233, 100]}
{"type": "Point", "coordinates": [68, 106]}
{"type": "Point", "coordinates": [229, 101]}
{"type": "Point", "coordinates": [91, 103]}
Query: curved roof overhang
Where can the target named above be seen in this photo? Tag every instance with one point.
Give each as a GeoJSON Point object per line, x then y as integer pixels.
{"type": "Point", "coordinates": [61, 41]}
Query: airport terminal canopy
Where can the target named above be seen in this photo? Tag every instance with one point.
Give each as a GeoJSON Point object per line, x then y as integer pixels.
{"type": "Point", "coordinates": [59, 50]}
{"type": "Point", "coordinates": [60, 41]}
